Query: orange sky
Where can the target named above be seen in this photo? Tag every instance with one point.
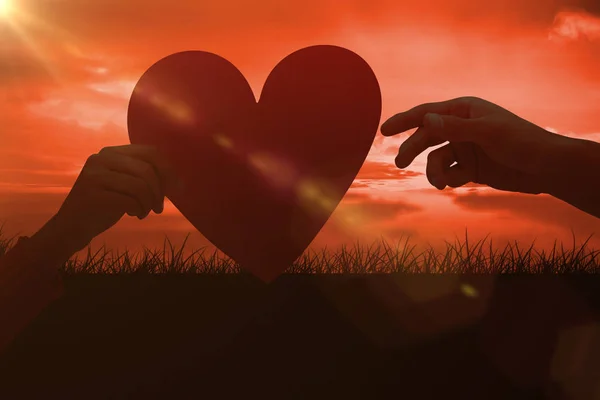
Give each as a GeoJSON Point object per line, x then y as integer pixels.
{"type": "Point", "coordinates": [67, 69]}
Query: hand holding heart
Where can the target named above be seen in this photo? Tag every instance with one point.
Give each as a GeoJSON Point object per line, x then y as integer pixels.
{"type": "Point", "coordinates": [119, 180]}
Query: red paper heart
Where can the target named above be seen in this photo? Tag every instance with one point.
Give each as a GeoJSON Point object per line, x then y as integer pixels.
{"type": "Point", "coordinates": [260, 179]}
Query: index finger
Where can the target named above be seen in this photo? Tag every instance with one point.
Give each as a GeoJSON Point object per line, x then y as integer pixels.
{"type": "Point", "coordinates": [413, 118]}
{"type": "Point", "coordinates": [146, 153]}
{"type": "Point", "coordinates": [163, 169]}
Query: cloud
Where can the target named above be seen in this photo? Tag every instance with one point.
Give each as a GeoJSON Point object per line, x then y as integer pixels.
{"type": "Point", "coordinates": [540, 208]}
{"type": "Point", "coordinates": [378, 170]}
{"type": "Point", "coordinates": [25, 213]}
{"type": "Point", "coordinates": [65, 102]}
{"type": "Point", "coordinates": [575, 25]}
{"type": "Point", "coordinates": [94, 31]}
{"type": "Point", "coordinates": [372, 209]}
{"type": "Point", "coordinates": [365, 214]}
{"type": "Point", "coordinates": [13, 178]}
{"type": "Point", "coordinates": [88, 107]}
{"type": "Point", "coordinates": [44, 152]}
{"type": "Point", "coordinates": [360, 216]}
{"type": "Point", "coordinates": [357, 185]}
{"type": "Point", "coordinates": [593, 136]}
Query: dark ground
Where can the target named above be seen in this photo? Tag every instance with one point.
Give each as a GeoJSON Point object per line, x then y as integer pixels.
{"type": "Point", "coordinates": [397, 336]}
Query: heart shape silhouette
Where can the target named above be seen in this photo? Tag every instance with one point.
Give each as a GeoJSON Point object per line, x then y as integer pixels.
{"type": "Point", "coordinates": [260, 179]}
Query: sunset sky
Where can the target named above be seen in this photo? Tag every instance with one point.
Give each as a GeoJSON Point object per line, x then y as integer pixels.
{"type": "Point", "coordinates": [68, 68]}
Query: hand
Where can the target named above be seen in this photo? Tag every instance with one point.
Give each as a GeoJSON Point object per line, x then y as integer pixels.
{"type": "Point", "coordinates": [119, 180]}
{"type": "Point", "coordinates": [489, 145]}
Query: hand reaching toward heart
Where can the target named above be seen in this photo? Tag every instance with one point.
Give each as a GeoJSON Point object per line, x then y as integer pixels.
{"type": "Point", "coordinates": [487, 144]}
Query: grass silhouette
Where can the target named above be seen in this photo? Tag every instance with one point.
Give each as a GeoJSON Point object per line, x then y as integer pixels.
{"type": "Point", "coordinates": [460, 256]}
{"type": "Point", "coordinates": [168, 322]}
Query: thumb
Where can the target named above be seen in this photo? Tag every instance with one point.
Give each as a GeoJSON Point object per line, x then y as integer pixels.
{"type": "Point", "coordinates": [453, 129]}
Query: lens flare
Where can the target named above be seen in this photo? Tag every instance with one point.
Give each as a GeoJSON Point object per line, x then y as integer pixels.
{"type": "Point", "coordinates": [5, 8]}
{"type": "Point", "coordinates": [316, 197]}
{"type": "Point", "coordinates": [276, 170]}
{"type": "Point", "coordinates": [175, 109]}
{"type": "Point", "coordinates": [223, 141]}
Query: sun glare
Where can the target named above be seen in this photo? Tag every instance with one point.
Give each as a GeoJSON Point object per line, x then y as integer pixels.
{"type": "Point", "coordinates": [4, 8]}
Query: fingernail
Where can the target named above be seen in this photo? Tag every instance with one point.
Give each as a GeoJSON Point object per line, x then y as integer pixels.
{"type": "Point", "coordinates": [433, 121]}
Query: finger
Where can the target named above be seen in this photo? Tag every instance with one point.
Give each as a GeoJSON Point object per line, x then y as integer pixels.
{"type": "Point", "coordinates": [151, 155]}
{"type": "Point", "coordinates": [455, 129]}
{"type": "Point", "coordinates": [437, 162]}
{"type": "Point", "coordinates": [416, 143]}
{"type": "Point", "coordinates": [457, 176]}
{"type": "Point", "coordinates": [142, 169]}
{"type": "Point", "coordinates": [122, 203]}
{"type": "Point", "coordinates": [413, 118]}
{"type": "Point", "coordinates": [128, 185]}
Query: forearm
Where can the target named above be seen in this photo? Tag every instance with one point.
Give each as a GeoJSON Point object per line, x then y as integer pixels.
{"type": "Point", "coordinates": [573, 173]}
{"type": "Point", "coordinates": [55, 243]}
{"type": "Point", "coordinates": [29, 278]}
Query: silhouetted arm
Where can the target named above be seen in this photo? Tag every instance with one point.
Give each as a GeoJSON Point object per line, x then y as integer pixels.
{"type": "Point", "coordinates": [29, 278]}
{"type": "Point", "coordinates": [487, 144]}
{"type": "Point", "coordinates": [118, 180]}
{"type": "Point", "coordinates": [573, 174]}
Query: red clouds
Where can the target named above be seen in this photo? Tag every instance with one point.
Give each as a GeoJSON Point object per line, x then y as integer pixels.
{"type": "Point", "coordinates": [67, 70]}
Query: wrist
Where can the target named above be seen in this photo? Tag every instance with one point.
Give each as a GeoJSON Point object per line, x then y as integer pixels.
{"type": "Point", "coordinates": [57, 241]}
{"type": "Point", "coordinates": [573, 173]}
{"type": "Point", "coordinates": [562, 164]}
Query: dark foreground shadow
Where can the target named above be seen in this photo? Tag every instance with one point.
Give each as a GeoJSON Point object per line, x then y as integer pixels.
{"type": "Point", "coordinates": [399, 336]}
